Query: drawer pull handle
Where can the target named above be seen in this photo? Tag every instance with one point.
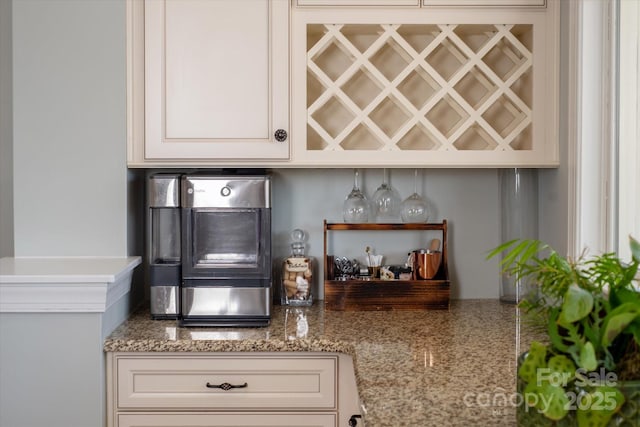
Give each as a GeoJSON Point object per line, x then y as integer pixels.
{"type": "Point", "coordinates": [226, 386]}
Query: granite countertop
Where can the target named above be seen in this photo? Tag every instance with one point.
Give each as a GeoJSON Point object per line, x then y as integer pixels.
{"type": "Point", "coordinates": [413, 368]}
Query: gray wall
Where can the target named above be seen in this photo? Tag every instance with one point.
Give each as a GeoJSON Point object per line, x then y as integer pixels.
{"type": "Point", "coordinates": [466, 198]}
{"type": "Point", "coordinates": [70, 176]}
{"type": "Point", "coordinates": [70, 193]}
{"type": "Point", "coordinates": [54, 378]}
{"type": "Point", "coordinates": [6, 130]}
{"type": "Point", "coordinates": [52, 367]}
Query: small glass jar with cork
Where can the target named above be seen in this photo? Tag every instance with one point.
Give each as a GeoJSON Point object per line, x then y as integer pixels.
{"type": "Point", "coordinates": [297, 273]}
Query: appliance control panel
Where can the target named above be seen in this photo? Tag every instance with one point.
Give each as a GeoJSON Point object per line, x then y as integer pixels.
{"type": "Point", "coordinates": [201, 191]}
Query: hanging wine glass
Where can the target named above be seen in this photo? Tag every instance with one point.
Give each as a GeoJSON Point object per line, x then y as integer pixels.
{"type": "Point", "coordinates": [386, 201]}
{"type": "Point", "coordinates": [356, 206]}
{"type": "Point", "coordinates": [414, 207]}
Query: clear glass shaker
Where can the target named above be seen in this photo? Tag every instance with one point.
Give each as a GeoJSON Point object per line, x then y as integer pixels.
{"type": "Point", "coordinates": [297, 273]}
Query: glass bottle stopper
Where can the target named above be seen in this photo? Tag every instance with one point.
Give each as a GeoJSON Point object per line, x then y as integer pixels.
{"type": "Point", "coordinates": [297, 242]}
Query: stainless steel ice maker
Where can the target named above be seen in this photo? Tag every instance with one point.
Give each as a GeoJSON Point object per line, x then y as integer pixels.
{"type": "Point", "coordinates": [226, 257]}
{"type": "Point", "coordinates": [163, 244]}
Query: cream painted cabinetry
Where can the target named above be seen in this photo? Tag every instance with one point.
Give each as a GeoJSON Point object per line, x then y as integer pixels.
{"type": "Point", "coordinates": [398, 83]}
{"type": "Point", "coordinates": [249, 389]}
{"type": "Point", "coordinates": [483, 3]}
{"type": "Point", "coordinates": [208, 81]}
{"type": "Point", "coordinates": [426, 3]}
{"type": "Point", "coordinates": [349, 3]}
{"type": "Point", "coordinates": [434, 85]}
{"type": "Point", "coordinates": [225, 420]}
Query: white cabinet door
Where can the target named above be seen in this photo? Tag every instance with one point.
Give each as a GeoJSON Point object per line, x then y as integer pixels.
{"type": "Point", "coordinates": [347, 3]}
{"type": "Point", "coordinates": [222, 419]}
{"type": "Point", "coordinates": [216, 77]}
{"type": "Point", "coordinates": [485, 3]}
{"type": "Point", "coordinates": [429, 86]}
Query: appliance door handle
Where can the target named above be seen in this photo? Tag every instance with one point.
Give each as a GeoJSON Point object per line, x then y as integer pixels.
{"type": "Point", "coordinates": [226, 386]}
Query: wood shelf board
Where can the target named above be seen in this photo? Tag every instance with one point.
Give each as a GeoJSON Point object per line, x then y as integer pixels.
{"type": "Point", "coordinates": [384, 226]}
{"type": "Point", "coordinates": [384, 284]}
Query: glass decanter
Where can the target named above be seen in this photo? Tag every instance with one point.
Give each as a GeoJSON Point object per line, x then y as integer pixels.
{"type": "Point", "coordinates": [297, 273]}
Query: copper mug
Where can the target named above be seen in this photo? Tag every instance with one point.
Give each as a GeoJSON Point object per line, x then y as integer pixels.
{"type": "Point", "coordinates": [426, 263]}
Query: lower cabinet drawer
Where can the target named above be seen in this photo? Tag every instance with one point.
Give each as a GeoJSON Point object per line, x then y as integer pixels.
{"type": "Point", "coordinates": [202, 382]}
{"type": "Point", "coordinates": [222, 419]}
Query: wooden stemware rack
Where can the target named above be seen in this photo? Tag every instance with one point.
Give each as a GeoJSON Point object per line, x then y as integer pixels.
{"type": "Point", "coordinates": [376, 294]}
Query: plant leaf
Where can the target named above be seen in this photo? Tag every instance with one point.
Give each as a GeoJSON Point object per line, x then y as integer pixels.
{"type": "Point", "coordinates": [588, 359]}
{"type": "Point", "coordinates": [615, 325]}
{"type": "Point", "coordinates": [557, 341]}
{"type": "Point", "coordinates": [562, 366]}
{"type": "Point", "coordinates": [553, 401]}
{"type": "Point", "coordinates": [535, 360]}
{"type": "Point", "coordinates": [634, 329]}
{"type": "Point", "coordinates": [635, 248]}
{"type": "Point", "coordinates": [577, 305]}
{"type": "Point", "coordinates": [530, 251]}
{"type": "Point", "coordinates": [604, 402]}
{"type": "Point", "coordinates": [501, 248]}
{"type": "Point", "coordinates": [515, 255]}
{"type": "Point", "coordinates": [620, 296]}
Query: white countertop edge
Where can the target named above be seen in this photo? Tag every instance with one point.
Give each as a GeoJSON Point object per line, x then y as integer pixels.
{"type": "Point", "coordinates": [67, 269]}
{"type": "Point", "coordinates": [60, 291]}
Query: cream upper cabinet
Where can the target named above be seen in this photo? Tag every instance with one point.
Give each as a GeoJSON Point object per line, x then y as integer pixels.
{"type": "Point", "coordinates": [447, 3]}
{"type": "Point", "coordinates": [490, 3]}
{"type": "Point", "coordinates": [328, 83]}
{"type": "Point", "coordinates": [208, 81]}
{"type": "Point", "coordinates": [349, 3]}
{"type": "Point", "coordinates": [429, 86]}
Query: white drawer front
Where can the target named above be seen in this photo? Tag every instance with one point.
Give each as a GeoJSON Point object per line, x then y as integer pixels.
{"type": "Point", "coordinates": [236, 420]}
{"type": "Point", "coordinates": [170, 382]}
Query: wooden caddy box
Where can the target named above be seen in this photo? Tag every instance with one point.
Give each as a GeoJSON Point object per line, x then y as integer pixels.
{"type": "Point", "coordinates": [348, 295]}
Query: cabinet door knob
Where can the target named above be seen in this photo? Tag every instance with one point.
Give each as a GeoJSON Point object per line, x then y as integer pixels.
{"type": "Point", "coordinates": [280, 135]}
{"type": "Point", "coordinates": [226, 386]}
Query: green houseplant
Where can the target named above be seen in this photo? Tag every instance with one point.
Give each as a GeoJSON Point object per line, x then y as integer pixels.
{"type": "Point", "coordinates": [590, 308]}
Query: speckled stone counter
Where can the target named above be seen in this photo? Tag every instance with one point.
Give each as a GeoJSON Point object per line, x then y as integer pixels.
{"type": "Point", "coordinates": [414, 368]}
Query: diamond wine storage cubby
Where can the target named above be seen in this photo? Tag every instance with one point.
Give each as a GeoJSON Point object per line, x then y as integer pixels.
{"type": "Point", "coordinates": [376, 86]}
{"type": "Point", "coordinates": [421, 87]}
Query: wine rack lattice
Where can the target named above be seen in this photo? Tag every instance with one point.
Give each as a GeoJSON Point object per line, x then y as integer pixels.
{"type": "Point", "coordinates": [419, 87]}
